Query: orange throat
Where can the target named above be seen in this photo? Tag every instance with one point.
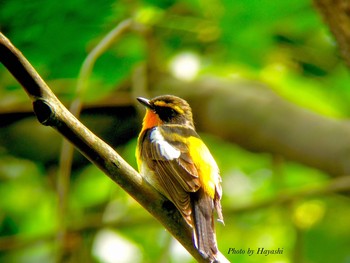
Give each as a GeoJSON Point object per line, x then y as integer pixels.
{"type": "Point", "coordinates": [150, 120]}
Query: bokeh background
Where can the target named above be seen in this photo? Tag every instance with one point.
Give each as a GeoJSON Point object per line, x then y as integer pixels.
{"type": "Point", "coordinates": [273, 197]}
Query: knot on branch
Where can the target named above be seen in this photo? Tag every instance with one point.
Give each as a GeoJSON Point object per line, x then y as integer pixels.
{"type": "Point", "coordinates": [44, 112]}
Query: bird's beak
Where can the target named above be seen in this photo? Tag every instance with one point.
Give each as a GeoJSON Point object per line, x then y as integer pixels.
{"type": "Point", "coordinates": [145, 102]}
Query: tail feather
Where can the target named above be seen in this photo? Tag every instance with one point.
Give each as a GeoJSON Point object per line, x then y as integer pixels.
{"type": "Point", "coordinates": [203, 230]}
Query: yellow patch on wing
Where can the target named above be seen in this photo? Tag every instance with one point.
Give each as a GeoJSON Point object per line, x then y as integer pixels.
{"type": "Point", "coordinates": [207, 168]}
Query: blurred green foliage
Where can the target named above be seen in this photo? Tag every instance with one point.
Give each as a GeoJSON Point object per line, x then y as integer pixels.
{"type": "Point", "coordinates": [281, 43]}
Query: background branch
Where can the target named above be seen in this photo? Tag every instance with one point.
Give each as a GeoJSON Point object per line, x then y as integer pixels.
{"type": "Point", "coordinates": [67, 149]}
{"type": "Point", "coordinates": [276, 109]}
{"type": "Point", "coordinates": [251, 115]}
{"type": "Point", "coordinates": [259, 120]}
{"type": "Point", "coordinates": [337, 185]}
{"type": "Point", "coordinates": [51, 112]}
{"type": "Point", "coordinates": [93, 223]}
{"type": "Point", "coordinates": [336, 14]}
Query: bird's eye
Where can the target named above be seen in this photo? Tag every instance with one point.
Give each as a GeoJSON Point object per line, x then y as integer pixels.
{"type": "Point", "coordinates": [166, 113]}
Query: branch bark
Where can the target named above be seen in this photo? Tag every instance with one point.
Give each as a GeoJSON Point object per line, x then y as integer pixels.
{"type": "Point", "coordinates": [336, 14]}
{"type": "Point", "coordinates": [50, 112]}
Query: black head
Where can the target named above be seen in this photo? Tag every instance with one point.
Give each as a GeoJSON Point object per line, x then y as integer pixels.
{"type": "Point", "coordinates": [170, 109]}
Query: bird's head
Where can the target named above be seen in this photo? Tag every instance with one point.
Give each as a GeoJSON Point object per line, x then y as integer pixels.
{"type": "Point", "coordinates": [167, 109]}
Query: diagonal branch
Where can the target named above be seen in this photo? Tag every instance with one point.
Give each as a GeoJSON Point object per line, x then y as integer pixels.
{"type": "Point", "coordinates": [50, 112]}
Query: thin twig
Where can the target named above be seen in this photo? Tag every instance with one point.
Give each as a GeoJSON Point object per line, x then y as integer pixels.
{"type": "Point", "coordinates": [337, 185]}
{"type": "Point", "coordinates": [93, 223]}
{"type": "Point", "coordinates": [50, 111]}
{"type": "Point", "coordinates": [101, 47]}
{"type": "Point", "coordinates": [67, 149]}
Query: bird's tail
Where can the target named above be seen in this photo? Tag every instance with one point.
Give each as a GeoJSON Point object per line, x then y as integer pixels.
{"type": "Point", "coordinates": [204, 237]}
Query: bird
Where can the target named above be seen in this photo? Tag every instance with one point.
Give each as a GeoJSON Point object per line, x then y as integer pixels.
{"type": "Point", "coordinates": [175, 161]}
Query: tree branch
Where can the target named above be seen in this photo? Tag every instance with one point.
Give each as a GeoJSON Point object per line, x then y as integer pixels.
{"type": "Point", "coordinates": [51, 112]}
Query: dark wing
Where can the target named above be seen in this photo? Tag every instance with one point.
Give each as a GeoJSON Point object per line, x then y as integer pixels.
{"type": "Point", "coordinates": [167, 154]}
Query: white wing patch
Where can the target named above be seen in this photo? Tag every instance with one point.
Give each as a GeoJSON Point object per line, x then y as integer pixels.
{"type": "Point", "coordinates": [166, 149]}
